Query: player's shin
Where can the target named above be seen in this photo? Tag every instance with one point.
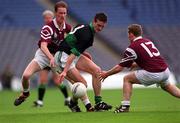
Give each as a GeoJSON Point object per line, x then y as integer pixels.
{"type": "Point", "coordinates": [25, 85]}
{"type": "Point", "coordinates": [41, 91]}
{"type": "Point", "coordinates": [63, 89]}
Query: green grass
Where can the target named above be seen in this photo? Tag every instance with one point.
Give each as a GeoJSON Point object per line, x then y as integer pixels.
{"type": "Point", "coordinates": [147, 106]}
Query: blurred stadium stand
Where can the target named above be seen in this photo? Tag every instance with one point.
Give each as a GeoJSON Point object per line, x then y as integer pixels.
{"type": "Point", "coordinates": [20, 13]}
{"type": "Point", "coordinates": [21, 21]}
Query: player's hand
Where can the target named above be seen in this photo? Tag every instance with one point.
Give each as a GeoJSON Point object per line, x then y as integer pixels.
{"type": "Point", "coordinates": [61, 76]}
{"type": "Point", "coordinates": [52, 62]}
{"type": "Point", "coordinates": [103, 75]}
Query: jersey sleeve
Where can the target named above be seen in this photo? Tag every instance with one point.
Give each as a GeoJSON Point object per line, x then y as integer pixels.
{"type": "Point", "coordinates": [128, 58]}
{"type": "Point", "coordinates": [46, 33]}
{"type": "Point", "coordinates": [71, 40]}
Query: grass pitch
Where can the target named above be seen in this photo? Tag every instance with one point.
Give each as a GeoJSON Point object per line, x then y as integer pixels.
{"type": "Point", "coordinates": [149, 105]}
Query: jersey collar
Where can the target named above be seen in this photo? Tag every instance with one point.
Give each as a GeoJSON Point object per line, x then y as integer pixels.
{"type": "Point", "coordinates": [92, 28]}
{"type": "Point", "coordinates": [56, 25]}
{"type": "Point", "coordinates": [137, 38]}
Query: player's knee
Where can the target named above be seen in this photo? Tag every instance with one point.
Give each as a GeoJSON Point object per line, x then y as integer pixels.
{"type": "Point", "coordinates": [26, 76]}
{"type": "Point", "coordinates": [125, 79]}
{"type": "Point", "coordinates": [43, 80]}
{"type": "Point", "coordinates": [172, 89]}
{"type": "Point", "coordinates": [56, 81]}
{"type": "Point", "coordinates": [96, 72]}
{"type": "Point", "coordinates": [131, 79]}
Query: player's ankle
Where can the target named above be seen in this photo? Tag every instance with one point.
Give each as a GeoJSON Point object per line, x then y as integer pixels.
{"type": "Point", "coordinates": [88, 106]}
{"type": "Point", "coordinates": [98, 99]}
{"type": "Point", "coordinates": [26, 93]}
{"type": "Point", "coordinates": [125, 103]}
{"type": "Point", "coordinates": [40, 102]}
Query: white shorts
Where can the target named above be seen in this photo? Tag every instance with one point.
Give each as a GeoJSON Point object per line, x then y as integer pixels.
{"type": "Point", "coordinates": [60, 61]}
{"type": "Point", "coordinates": [41, 59]}
{"type": "Point", "coordinates": [148, 78]}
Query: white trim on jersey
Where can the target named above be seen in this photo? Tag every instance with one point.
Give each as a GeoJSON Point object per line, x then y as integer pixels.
{"type": "Point", "coordinates": [45, 34]}
{"type": "Point", "coordinates": [46, 26]}
{"type": "Point", "coordinates": [75, 29]}
{"type": "Point", "coordinates": [140, 37]}
{"type": "Point", "coordinates": [45, 37]}
{"type": "Point", "coordinates": [56, 25]}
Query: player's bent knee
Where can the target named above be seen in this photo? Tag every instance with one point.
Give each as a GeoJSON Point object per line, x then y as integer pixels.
{"type": "Point", "coordinates": [126, 79]}
{"type": "Point", "coordinates": [43, 80]}
{"type": "Point", "coordinates": [96, 72]}
{"type": "Point", "coordinates": [26, 76]}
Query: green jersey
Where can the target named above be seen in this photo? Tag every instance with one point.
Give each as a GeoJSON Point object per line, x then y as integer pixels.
{"type": "Point", "coordinates": [78, 40]}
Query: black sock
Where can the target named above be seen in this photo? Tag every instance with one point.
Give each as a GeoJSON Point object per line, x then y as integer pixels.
{"type": "Point", "coordinates": [74, 101]}
{"type": "Point", "coordinates": [88, 106]}
{"type": "Point", "coordinates": [41, 92]}
{"type": "Point", "coordinates": [98, 99]}
{"type": "Point", "coordinates": [63, 90]}
{"type": "Point", "coordinates": [26, 93]}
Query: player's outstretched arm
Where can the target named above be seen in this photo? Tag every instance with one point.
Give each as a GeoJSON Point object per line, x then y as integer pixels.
{"type": "Point", "coordinates": [66, 68]}
{"type": "Point", "coordinates": [46, 51]}
{"type": "Point", "coordinates": [114, 70]}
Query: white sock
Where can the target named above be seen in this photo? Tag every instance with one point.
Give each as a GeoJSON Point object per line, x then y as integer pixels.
{"type": "Point", "coordinates": [26, 90]}
{"type": "Point", "coordinates": [127, 103]}
{"type": "Point", "coordinates": [40, 102]}
{"type": "Point", "coordinates": [68, 98]}
{"type": "Point", "coordinates": [86, 101]}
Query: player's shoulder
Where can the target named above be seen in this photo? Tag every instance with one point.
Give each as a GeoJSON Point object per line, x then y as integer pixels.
{"type": "Point", "coordinates": [146, 40]}
{"type": "Point", "coordinates": [135, 44]}
{"type": "Point", "coordinates": [68, 27]}
{"type": "Point", "coordinates": [79, 28]}
{"type": "Point", "coordinates": [139, 41]}
{"type": "Point", "coordinates": [81, 25]}
{"type": "Point", "coordinates": [48, 28]}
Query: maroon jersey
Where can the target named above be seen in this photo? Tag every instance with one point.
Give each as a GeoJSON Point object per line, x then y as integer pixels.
{"type": "Point", "coordinates": [145, 54]}
{"type": "Point", "coordinates": [51, 34]}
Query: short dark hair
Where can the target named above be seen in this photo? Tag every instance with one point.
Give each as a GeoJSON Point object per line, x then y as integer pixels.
{"type": "Point", "coordinates": [135, 29]}
{"type": "Point", "coordinates": [101, 16]}
{"type": "Point", "coordinates": [60, 4]}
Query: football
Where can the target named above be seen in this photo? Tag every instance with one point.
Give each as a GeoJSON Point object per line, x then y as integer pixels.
{"type": "Point", "coordinates": [78, 90]}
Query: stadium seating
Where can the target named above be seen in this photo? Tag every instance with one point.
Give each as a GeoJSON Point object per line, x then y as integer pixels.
{"type": "Point", "coordinates": [17, 48]}
{"type": "Point", "coordinates": [20, 13]}
{"type": "Point", "coordinates": [21, 21]}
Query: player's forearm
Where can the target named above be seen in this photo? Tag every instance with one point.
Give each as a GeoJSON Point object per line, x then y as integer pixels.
{"type": "Point", "coordinates": [114, 70]}
{"type": "Point", "coordinates": [46, 51]}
